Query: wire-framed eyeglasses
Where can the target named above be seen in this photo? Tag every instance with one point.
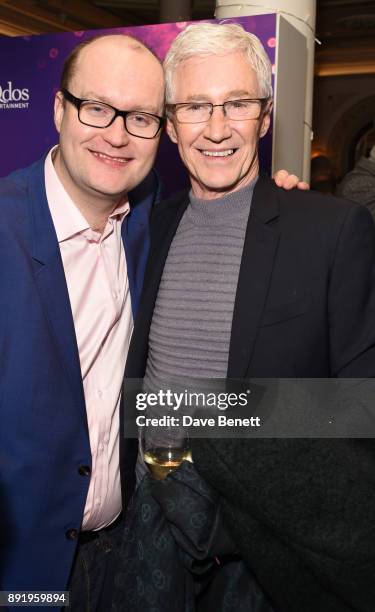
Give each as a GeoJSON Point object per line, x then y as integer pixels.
{"type": "Point", "coordinates": [101, 115]}
{"type": "Point", "coordinates": [200, 112]}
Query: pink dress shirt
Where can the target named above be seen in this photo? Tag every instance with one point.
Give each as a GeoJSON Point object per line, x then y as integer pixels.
{"type": "Point", "coordinates": [96, 275]}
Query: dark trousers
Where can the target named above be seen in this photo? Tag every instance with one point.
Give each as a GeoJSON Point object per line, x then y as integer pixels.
{"type": "Point", "coordinates": [91, 580]}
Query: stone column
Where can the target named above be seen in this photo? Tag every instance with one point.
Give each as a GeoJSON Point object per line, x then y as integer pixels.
{"type": "Point", "coordinates": [301, 14]}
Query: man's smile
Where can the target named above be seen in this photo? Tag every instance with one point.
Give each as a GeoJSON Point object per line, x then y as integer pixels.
{"type": "Point", "coordinates": [110, 160]}
{"type": "Point", "coordinates": [217, 153]}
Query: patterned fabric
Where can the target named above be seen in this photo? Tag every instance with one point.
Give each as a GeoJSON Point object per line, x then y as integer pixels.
{"type": "Point", "coordinates": [90, 585]}
{"type": "Point", "coordinates": [176, 555]}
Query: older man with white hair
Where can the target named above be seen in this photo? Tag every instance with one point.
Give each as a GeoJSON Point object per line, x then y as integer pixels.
{"type": "Point", "coordinates": [74, 244]}
{"type": "Point", "coordinates": [247, 280]}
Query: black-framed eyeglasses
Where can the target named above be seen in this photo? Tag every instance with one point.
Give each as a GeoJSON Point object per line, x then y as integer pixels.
{"type": "Point", "coordinates": [101, 115]}
{"type": "Point", "coordinates": [200, 112]}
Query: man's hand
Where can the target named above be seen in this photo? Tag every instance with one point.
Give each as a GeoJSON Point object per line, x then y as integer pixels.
{"type": "Point", "coordinates": [285, 180]}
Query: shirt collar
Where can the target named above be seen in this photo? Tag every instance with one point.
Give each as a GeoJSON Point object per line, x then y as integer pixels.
{"type": "Point", "coordinates": [67, 218]}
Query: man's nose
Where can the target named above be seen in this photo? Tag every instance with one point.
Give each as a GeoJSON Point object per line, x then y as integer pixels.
{"type": "Point", "coordinates": [116, 133]}
{"type": "Point", "coordinates": [218, 126]}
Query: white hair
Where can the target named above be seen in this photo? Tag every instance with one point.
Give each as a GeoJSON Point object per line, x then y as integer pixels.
{"type": "Point", "coordinates": [218, 39]}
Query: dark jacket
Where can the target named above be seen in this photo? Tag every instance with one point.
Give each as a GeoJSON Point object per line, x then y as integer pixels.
{"type": "Point", "coordinates": [300, 511]}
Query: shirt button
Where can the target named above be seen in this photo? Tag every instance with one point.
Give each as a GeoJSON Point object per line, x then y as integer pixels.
{"type": "Point", "coordinates": [101, 447]}
{"type": "Point", "coordinates": [71, 534]}
{"type": "Point", "coordinates": [100, 393]}
{"type": "Point", "coordinates": [84, 470]}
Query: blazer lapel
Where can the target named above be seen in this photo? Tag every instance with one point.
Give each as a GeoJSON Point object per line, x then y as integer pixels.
{"type": "Point", "coordinates": [162, 236]}
{"type": "Point", "coordinates": [136, 233]}
{"type": "Point", "coordinates": [52, 288]}
{"type": "Point", "coordinates": [257, 262]}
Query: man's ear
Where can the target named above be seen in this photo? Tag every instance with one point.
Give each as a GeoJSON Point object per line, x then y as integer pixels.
{"type": "Point", "coordinates": [171, 131]}
{"type": "Point", "coordinates": [266, 119]}
{"type": "Point", "coordinates": [59, 109]}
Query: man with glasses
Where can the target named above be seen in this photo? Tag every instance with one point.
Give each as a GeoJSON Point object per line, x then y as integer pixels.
{"type": "Point", "coordinates": [247, 280]}
{"type": "Point", "coordinates": [74, 245]}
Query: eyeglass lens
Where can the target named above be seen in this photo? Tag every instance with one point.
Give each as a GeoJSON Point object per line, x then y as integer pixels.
{"type": "Point", "coordinates": [233, 109]}
{"type": "Point", "coordinates": [101, 115]}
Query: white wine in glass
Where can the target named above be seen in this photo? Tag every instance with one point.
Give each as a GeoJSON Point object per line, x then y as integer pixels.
{"type": "Point", "coordinates": [164, 448]}
{"type": "Point", "coordinates": [162, 460]}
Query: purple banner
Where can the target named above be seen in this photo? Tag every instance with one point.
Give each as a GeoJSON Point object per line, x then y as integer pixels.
{"type": "Point", "coordinates": [30, 68]}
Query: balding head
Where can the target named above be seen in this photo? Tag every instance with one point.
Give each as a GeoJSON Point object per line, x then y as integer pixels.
{"type": "Point", "coordinates": [97, 163]}
{"type": "Point", "coordinates": [120, 41]}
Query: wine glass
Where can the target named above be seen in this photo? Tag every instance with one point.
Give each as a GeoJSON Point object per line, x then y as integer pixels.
{"type": "Point", "coordinates": [164, 448]}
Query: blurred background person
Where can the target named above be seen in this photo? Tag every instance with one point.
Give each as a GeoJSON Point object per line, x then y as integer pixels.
{"type": "Point", "coordinates": [359, 184]}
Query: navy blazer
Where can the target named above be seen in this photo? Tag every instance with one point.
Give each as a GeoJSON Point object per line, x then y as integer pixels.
{"type": "Point", "coordinates": [43, 433]}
